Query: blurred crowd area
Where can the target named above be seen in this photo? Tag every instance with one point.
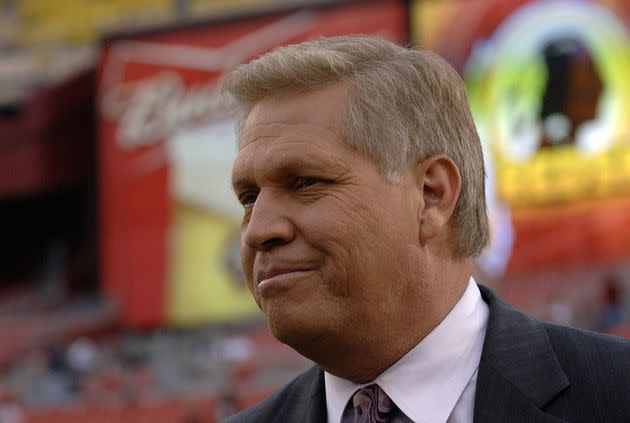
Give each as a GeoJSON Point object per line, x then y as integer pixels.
{"type": "Point", "coordinates": [121, 298]}
{"type": "Point", "coordinates": [202, 375]}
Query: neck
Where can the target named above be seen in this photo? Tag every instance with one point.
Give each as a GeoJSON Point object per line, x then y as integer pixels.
{"type": "Point", "coordinates": [362, 357]}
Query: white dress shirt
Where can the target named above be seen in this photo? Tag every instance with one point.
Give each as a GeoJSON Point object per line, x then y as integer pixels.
{"type": "Point", "coordinates": [436, 381]}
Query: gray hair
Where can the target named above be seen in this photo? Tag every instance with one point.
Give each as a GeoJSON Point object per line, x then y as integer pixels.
{"type": "Point", "coordinates": [404, 106]}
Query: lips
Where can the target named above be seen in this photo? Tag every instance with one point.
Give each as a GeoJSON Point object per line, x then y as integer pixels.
{"type": "Point", "coordinates": [263, 276]}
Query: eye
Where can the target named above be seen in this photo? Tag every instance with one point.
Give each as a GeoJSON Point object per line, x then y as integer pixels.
{"type": "Point", "coordinates": [305, 182]}
{"type": "Point", "coordinates": [248, 198]}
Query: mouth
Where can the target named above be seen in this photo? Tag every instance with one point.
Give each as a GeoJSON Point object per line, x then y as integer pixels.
{"type": "Point", "coordinates": [265, 277]}
{"type": "Point", "coordinates": [276, 282]}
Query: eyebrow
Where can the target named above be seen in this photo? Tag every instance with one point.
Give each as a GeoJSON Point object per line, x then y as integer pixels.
{"type": "Point", "coordinates": [242, 184]}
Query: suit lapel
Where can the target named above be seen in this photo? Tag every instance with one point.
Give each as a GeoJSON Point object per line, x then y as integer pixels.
{"type": "Point", "coordinates": [316, 409]}
{"type": "Point", "coordinates": [498, 401]}
{"type": "Point", "coordinates": [308, 405]}
{"type": "Point", "coordinates": [519, 372]}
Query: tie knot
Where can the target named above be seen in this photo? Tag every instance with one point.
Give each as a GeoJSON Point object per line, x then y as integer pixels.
{"type": "Point", "coordinates": [371, 404]}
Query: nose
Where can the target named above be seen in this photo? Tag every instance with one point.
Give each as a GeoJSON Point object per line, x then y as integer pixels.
{"type": "Point", "coordinates": [269, 224]}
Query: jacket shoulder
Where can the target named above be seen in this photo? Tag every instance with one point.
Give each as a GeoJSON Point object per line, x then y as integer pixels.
{"type": "Point", "coordinates": [590, 355]}
{"type": "Point", "coordinates": [573, 374]}
{"type": "Point", "coordinates": [295, 396]}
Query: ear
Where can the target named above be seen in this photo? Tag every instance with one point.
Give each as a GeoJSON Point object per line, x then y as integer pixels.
{"type": "Point", "coordinates": [439, 181]}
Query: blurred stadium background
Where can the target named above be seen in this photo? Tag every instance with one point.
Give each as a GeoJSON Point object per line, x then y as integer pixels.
{"type": "Point", "coordinates": [121, 298]}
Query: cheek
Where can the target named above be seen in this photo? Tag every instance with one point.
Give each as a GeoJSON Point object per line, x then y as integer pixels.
{"type": "Point", "coordinates": [346, 236]}
{"type": "Point", "coordinates": [368, 235]}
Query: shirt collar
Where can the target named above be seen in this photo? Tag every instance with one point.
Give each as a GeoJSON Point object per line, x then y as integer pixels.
{"type": "Point", "coordinates": [427, 382]}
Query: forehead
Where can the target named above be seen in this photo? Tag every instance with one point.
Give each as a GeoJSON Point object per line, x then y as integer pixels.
{"type": "Point", "coordinates": [322, 109]}
{"type": "Point", "coordinates": [300, 129]}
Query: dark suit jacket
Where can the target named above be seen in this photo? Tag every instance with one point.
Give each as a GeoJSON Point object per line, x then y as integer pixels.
{"type": "Point", "coordinates": [529, 371]}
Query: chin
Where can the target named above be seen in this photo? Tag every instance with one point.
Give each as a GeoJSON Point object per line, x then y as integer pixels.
{"type": "Point", "coordinates": [302, 336]}
{"type": "Point", "coordinates": [287, 329]}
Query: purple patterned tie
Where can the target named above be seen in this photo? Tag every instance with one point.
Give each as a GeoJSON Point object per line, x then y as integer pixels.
{"type": "Point", "coordinates": [372, 405]}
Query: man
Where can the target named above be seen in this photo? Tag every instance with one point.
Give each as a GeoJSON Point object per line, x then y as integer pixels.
{"type": "Point", "coordinates": [361, 177]}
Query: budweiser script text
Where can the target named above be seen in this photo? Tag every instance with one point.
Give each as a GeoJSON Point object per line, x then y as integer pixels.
{"type": "Point", "coordinates": [147, 111]}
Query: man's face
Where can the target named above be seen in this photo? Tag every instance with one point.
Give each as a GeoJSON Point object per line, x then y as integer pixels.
{"type": "Point", "coordinates": [325, 242]}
